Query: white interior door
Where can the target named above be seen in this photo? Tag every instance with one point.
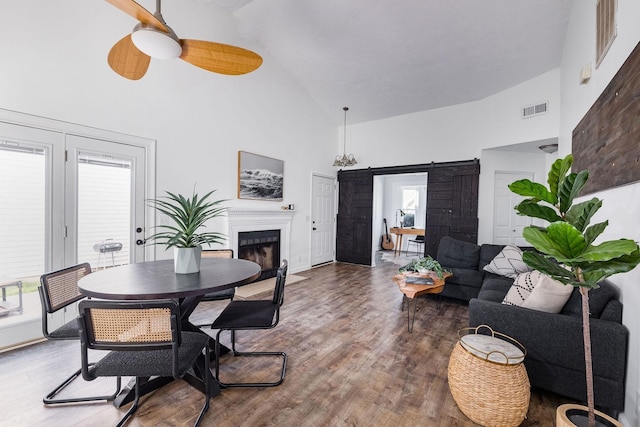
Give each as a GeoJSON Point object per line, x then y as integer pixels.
{"type": "Point", "coordinates": [323, 219]}
{"type": "Point", "coordinates": [507, 224]}
{"type": "Point", "coordinates": [105, 213]}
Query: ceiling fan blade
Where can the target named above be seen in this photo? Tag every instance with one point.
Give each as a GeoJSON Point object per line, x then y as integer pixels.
{"type": "Point", "coordinates": [127, 60]}
{"type": "Point", "coordinates": [133, 9]}
{"type": "Point", "coordinates": [219, 58]}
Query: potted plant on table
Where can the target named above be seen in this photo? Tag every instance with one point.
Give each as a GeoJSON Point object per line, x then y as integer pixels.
{"type": "Point", "coordinates": [424, 265]}
{"type": "Point", "coordinates": [567, 250]}
{"type": "Point", "coordinates": [188, 215]}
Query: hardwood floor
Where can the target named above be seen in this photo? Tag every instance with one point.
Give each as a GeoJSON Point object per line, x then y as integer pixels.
{"type": "Point", "coordinates": [351, 363]}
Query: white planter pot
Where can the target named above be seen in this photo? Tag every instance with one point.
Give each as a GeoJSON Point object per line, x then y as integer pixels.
{"type": "Point", "coordinates": [187, 260]}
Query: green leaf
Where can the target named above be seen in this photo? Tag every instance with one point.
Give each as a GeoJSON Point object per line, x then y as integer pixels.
{"type": "Point", "coordinates": [527, 188]}
{"type": "Point", "coordinates": [580, 215]}
{"type": "Point", "coordinates": [560, 240]}
{"type": "Point", "coordinates": [530, 208]}
{"type": "Point", "coordinates": [547, 266]}
{"type": "Point", "coordinates": [559, 169]}
{"type": "Point", "coordinates": [598, 271]}
{"type": "Point", "coordinates": [609, 250]}
{"type": "Point", "coordinates": [592, 233]}
{"type": "Point", "coordinates": [570, 188]}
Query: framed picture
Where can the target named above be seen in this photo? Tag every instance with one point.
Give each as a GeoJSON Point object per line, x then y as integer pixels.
{"type": "Point", "coordinates": [259, 177]}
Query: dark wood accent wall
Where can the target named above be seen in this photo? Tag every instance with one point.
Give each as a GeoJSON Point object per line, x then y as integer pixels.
{"type": "Point", "coordinates": [607, 139]}
{"type": "Point", "coordinates": [452, 206]}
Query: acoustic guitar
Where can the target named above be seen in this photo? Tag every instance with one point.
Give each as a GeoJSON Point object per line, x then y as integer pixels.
{"type": "Point", "coordinates": [387, 243]}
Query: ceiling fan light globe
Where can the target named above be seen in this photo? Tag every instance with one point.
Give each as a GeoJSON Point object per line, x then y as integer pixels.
{"type": "Point", "coordinates": [155, 43]}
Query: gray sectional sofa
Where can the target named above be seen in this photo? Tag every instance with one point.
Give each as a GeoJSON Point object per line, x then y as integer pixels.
{"type": "Point", "coordinates": [555, 356]}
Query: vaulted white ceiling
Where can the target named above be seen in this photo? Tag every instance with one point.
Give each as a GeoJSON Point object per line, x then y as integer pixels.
{"type": "Point", "coordinates": [384, 58]}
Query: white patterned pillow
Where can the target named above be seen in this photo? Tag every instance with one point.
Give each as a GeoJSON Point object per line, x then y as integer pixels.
{"type": "Point", "coordinates": [548, 295]}
{"type": "Point", "coordinates": [508, 263]}
{"type": "Point", "coordinates": [522, 288]}
{"type": "Point", "coordinates": [537, 291]}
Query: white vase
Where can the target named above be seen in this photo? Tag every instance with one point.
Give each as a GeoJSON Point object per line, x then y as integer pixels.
{"type": "Point", "coordinates": [187, 260]}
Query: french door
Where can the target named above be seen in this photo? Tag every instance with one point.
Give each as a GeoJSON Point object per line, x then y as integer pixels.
{"type": "Point", "coordinates": [65, 198]}
{"type": "Point", "coordinates": [104, 213]}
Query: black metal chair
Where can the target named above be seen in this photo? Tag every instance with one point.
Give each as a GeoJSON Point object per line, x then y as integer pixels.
{"type": "Point", "coordinates": [251, 315]}
{"type": "Point", "coordinates": [419, 242]}
{"type": "Point", "coordinates": [58, 290]}
{"type": "Point", "coordinates": [144, 340]}
{"type": "Point", "coordinates": [219, 295]}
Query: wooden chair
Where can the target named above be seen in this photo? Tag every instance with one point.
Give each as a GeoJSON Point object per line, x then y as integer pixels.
{"type": "Point", "coordinates": [144, 340]}
{"type": "Point", "coordinates": [251, 315]}
{"type": "Point", "coordinates": [58, 290]}
{"type": "Point", "coordinates": [224, 294]}
{"type": "Point", "coordinates": [219, 295]}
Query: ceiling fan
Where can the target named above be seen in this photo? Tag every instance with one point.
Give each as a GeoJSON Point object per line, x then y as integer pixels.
{"type": "Point", "coordinates": [153, 38]}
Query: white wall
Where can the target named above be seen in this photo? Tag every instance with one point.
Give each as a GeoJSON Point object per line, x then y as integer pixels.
{"type": "Point", "coordinates": [199, 119]}
{"type": "Point", "coordinates": [621, 205]}
{"type": "Point", "coordinates": [459, 132]}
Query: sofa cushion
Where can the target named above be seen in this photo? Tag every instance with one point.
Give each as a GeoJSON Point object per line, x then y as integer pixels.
{"type": "Point", "coordinates": [508, 263]}
{"type": "Point", "coordinates": [494, 288]}
{"type": "Point", "coordinates": [465, 277]}
{"type": "Point", "coordinates": [598, 299]}
{"type": "Point", "coordinates": [454, 253]}
{"type": "Point", "coordinates": [538, 291]}
{"type": "Point", "coordinates": [488, 252]}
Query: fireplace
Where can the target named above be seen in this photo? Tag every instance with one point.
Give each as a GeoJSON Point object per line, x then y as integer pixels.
{"type": "Point", "coordinates": [250, 221]}
{"type": "Point", "coordinates": [263, 248]}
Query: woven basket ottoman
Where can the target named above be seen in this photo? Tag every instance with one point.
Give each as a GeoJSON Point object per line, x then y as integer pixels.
{"type": "Point", "coordinates": [487, 378]}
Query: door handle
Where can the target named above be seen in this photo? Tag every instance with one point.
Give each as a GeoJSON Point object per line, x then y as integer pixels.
{"type": "Point", "coordinates": [314, 229]}
{"type": "Point", "coordinates": [139, 242]}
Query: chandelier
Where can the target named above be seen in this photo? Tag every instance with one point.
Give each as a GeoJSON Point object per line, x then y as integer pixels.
{"type": "Point", "coordinates": [345, 160]}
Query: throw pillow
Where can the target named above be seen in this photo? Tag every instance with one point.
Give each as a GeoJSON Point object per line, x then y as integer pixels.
{"type": "Point", "coordinates": [537, 291]}
{"type": "Point", "coordinates": [508, 263]}
{"type": "Point", "coordinates": [548, 295]}
{"type": "Point", "coordinates": [522, 288]}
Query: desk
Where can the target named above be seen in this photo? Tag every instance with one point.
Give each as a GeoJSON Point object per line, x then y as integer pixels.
{"type": "Point", "coordinates": [401, 232]}
{"type": "Point", "coordinates": [157, 280]}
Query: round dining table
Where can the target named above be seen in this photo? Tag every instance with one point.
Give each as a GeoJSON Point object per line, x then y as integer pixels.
{"type": "Point", "coordinates": [158, 280]}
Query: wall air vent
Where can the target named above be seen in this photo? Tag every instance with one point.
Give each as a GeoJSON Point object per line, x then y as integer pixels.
{"type": "Point", "coordinates": [535, 110]}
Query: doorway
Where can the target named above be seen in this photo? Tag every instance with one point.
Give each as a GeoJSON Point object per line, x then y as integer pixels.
{"type": "Point", "coordinates": [507, 224]}
{"type": "Point", "coordinates": [64, 195]}
{"type": "Point", "coordinates": [399, 200]}
{"type": "Point", "coordinates": [323, 219]}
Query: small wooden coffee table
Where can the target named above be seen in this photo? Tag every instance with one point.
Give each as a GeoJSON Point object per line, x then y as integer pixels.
{"type": "Point", "coordinates": [411, 291]}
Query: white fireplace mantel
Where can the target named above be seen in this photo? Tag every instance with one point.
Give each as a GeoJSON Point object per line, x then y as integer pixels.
{"type": "Point", "coordinates": [242, 220]}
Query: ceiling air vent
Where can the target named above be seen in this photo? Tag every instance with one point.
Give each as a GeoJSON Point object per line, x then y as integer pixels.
{"type": "Point", "coordinates": [535, 110]}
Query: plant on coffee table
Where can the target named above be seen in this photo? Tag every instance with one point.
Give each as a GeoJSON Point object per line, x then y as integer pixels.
{"type": "Point", "coordinates": [568, 254]}
{"type": "Point", "coordinates": [424, 264]}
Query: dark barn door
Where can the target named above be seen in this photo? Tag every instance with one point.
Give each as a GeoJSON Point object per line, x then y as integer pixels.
{"type": "Point", "coordinates": [355, 210]}
{"type": "Point", "coordinates": [452, 206]}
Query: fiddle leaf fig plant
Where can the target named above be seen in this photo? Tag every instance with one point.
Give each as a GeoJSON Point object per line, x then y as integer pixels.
{"type": "Point", "coordinates": [566, 246]}
{"type": "Point", "coordinates": [188, 215]}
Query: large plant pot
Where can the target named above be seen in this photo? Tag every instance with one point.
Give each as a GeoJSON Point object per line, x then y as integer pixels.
{"type": "Point", "coordinates": [571, 415]}
{"type": "Point", "coordinates": [187, 260]}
